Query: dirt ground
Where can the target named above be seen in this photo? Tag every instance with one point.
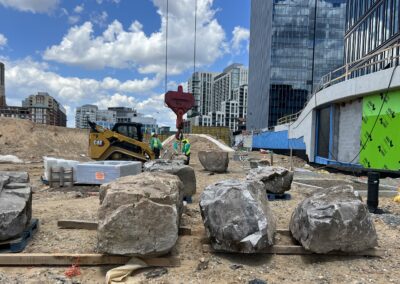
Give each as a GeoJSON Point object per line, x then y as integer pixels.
{"type": "Point", "coordinates": [50, 205]}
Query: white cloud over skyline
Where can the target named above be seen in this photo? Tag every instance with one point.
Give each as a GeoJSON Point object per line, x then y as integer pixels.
{"type": "Point", "coordinates": [37, 6]}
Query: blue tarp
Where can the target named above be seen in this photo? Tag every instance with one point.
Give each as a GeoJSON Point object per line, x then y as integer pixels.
{"type": "Point", "coordinates": [277, 140]}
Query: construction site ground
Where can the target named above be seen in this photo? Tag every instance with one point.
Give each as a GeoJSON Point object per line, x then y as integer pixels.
{"type": "Point", "coordinates": [30, 142]}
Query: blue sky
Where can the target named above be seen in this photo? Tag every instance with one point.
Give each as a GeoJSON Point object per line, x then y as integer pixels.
{"type": "Point", "coordinates": [112, 52]}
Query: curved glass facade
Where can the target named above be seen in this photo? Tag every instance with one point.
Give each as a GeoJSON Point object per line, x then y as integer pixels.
{"type": "Point", "coordinates": [371, 25]}
{"type": "Point", "coordinates": [305, 40]}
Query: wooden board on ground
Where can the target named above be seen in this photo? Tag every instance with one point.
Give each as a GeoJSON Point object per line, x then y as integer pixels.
{"type": "Point", "coordinates": [296, 249]}
{"type": "Point", "coordinates": [77, 224]}
{"type": "Point", "coordinates": [66, 259]}
{"type": "Point", "coordinates": [92, 225]}
{"type": "Point", "coordinates": [299, 250]}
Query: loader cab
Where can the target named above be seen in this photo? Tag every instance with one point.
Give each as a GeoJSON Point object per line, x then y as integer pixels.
{"type": "Point", "coordinates": [129, 129]}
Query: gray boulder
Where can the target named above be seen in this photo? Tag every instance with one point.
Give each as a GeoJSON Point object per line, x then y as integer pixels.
{"type": "Point", "coordinates": [18, 177]}
{"type": "Point", "coordinates": [275, 179]}
{"type": "Point", "coordinates": [176, 167]}
{"type": "Point", "coordinates": [237, 217]}
{"type": "Point", "coordinates": [15, 204]}
{"type": "Point", "coordinates": [214, 161]}
{"type": "Point", "coordinates": [140, 215]}
{"type": "Point", "coordinates": [256, 163]}
{"type": "Point", "coordinates": [333, 219]}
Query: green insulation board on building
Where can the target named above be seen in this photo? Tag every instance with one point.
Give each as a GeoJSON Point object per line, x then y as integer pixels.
{"type": "Point", "coordinates": [380, 132]}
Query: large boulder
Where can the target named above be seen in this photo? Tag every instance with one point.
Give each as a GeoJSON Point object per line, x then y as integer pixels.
{"type": "Point", "coordinates": [237, 217]}
{"type": "Point", "coordinates": [176, 167]}
{"type": "Point", "coordinates": [333, 219]}
{"type": "Point", "coordinates": [15, 204]}
{"type": "Point", "coordinates": [214, 161]}
{"type": "Point", "coordinates": [275, 179]}
{"type": "Point", "coordinates": [140, 215]}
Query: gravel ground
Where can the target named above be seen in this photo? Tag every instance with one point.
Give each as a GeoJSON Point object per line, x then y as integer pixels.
{"type": "Point", "coordinates": [82, 203]}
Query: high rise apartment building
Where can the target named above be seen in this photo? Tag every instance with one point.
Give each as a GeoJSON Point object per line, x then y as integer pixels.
{"type": "Point", "coordinates": [45, 109]}
{"type": "Point", "coordinates": [219, 97]}
{"type": "Point", "coordinates": [292, 45]}
{"type": "Point", "coordinates": [84, 114]}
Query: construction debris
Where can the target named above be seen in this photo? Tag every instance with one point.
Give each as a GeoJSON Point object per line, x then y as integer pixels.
{"type": "Point", "coordinates": [15, 204]}
{"type": "Point", "coordinates": [140, 215]}
{"type": "Point", "coordinates": [175, 167]}
{"type": "Point", "coordinates": [276, 180]}
{"type": "Point", "coordinates": [333, 219]}
{"type": "Point", "coordinates": [214, 161]}
{"type": "Point", "coordinates": [256, 163]}
{"type": "Point", "coordinates": [237, 217]}
{"type": "Point", "coordinates": [10, 159]}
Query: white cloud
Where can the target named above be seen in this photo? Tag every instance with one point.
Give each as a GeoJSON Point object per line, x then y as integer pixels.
{"type": "Point", "coordinates": [3, 41]}
{"type": "Point", "coordinates": [79, 8]}
{"type": "Point", "coordinates": [25, 77]}
{"type": "Point", "coordinates": [37, 6]}
{"type": "Point", "coordinates": [73, 19]}
{"type": "Point", "coordinates": [99, 19]}
{"type": "Point", "coordinates": [240, 35]}
{"type": "Point", "coordinates": [118, 47]}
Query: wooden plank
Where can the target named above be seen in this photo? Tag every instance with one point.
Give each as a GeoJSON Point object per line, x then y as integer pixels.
{"type": "Point", "coordinates": [185, 231]}
{"type": "Point", "coordinates": [92, 225]}
{"type": "Point", "coordinates": [77, 224]}
{"type": "Point", "coordinates": [299, 250]}
{"type": "Point", "coordinates": [66, 259]}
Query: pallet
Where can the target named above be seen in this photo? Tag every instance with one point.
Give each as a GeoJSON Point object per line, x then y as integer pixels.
{"type": "Point", "coordinates": [273, 196]}
{"type": "Point", "coordinates": [92, 225]}
{"type": "Point", "coordinates": [19, 244]}
{"type": "Point", "coordinates": [85, 259]}
{"type": "Point", "coordinates": [296, 249]}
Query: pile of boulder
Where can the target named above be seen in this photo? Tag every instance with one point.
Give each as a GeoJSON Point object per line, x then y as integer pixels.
{"type": "Point", "coordinates": [214, 161]}
{"type": "Point", "coordinates": [333, 219]}
{"type": "Point", "coordinates": [140, 215]}
{"type": "Point", "coordinates": [176, 167]}
{"type": "Point", "coordinates": [15, 204]}
{"type": "Point", "coordinates": [237, 216]}
{"type": "Point", "coordinates": [276, 180]}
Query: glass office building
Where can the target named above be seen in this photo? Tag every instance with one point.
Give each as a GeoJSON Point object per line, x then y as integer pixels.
{"type": "Point", "coordinates": [293, 43]}
{"type": "Point", "coordinates": [371, 26]}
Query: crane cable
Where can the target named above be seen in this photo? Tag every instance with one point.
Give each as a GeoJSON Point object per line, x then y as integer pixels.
{"type": "Point", "coordinates": [166, 43]}
{"type": "Point", "coordinates": [195, 36]}
{"type": "Point", "coordinates": [166, 49]}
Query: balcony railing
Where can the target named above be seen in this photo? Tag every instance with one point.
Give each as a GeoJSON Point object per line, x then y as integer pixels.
{"type": "Point", "coordinates": [379, 60]}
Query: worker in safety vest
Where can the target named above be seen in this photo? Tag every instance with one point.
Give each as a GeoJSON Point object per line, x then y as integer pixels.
{"type": "Point", "coordinates": [155, 145]}
{"type": "Point", "coordinates": [186, 150]}
{"type": "Point", "coordinates": [176, 146]}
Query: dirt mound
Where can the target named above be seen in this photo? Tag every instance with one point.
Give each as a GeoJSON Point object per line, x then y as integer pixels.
{"type": "Point", "coordinates": [197, 144]}
{"type": "Point", "coordinates": [30, 141]}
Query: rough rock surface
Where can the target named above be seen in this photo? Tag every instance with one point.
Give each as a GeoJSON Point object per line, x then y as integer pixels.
{"type": "Point", "coordinates": [275, 179]}
{"type": "Point", "coordinates": [214, 161]}
{"type": "Point", "coordinates": [139, 215]}
{"type": "Point", "coordinates": [256, 163]}
{"type": "Point", "coordinates": [333, 219]}
{"type": "Point", "coordinates": [15, 204]}
{"type": "Point", "coordinates": [237, 216]}
{"type": "Point", "coordinates": [176, 167]}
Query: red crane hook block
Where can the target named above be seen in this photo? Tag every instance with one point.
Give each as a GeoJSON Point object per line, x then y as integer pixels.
{"type": "Point", "coordinates": [180, 103]}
